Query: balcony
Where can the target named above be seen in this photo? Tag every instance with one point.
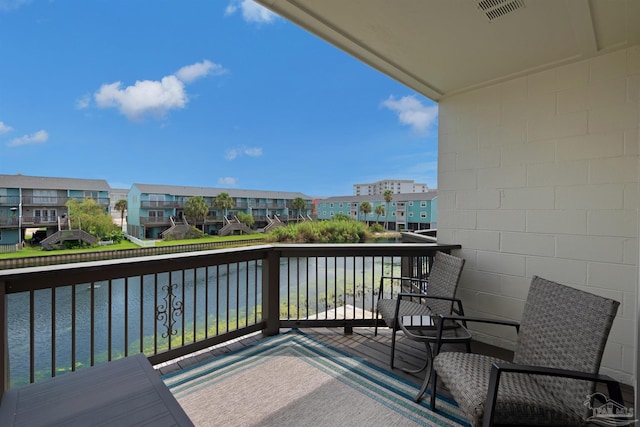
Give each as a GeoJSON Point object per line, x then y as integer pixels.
{"type": "Point", "coordinates": [9, 201]}
{"type": "Point", "coordinates": [39, 220]}
{"type": "Point", "coordinates": [146, 204]}
{"type": "Point", "coordinates": [171, 305]}
{"type": "Point", "coordinates": [154, 220]}
{"type": "Point", "coordinates": [12, 222]}
{"type": "Point", "coordinates": [69, 316]}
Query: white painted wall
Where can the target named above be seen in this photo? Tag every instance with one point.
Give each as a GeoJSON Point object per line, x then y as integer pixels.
{"type": "Point", "coordinates": [539, 176]}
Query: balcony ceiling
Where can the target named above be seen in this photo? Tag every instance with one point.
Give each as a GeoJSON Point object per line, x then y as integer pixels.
{"type": "Point", "coordinates": [444, 47]}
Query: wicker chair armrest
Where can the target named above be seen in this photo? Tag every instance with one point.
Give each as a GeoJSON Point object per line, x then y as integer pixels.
{"type": "Point", "coordinates": [412, 279]}
{"type": "Point", "coordinates": [482, 320]}
{"type": "Point", "coordinates": [457, 308]}
{"type": "Point", "coordinates": [497, 368]}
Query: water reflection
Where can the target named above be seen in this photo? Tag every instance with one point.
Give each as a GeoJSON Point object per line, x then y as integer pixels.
{"type": "Point", "coordinates": [122, 313]}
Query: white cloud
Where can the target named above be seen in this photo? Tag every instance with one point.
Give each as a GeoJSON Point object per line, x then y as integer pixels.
{"type": "Point", "coordinates": [228, 181]}
{"type": "Point", "coordinates": [152, 97]}
{"type": "Point", "coordinates": [251, 11]}
{"type": "Point", "coordinates": [412, 112]}
{"type": "Point", "coordinates": [147, 97]}
{"type": "Point", "coordinates": [5, 128]}
{"type": "Point", "coordinates": [39, 137]}
{"type": "Point", "coordinates": [234, 153]}
{"type": "Point", "coordinates": [190, 73]}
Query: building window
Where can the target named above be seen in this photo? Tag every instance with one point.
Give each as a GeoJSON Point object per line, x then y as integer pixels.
{"type": "Point", "coordinates": [410, 214]}
{"type": "Point", "coordinates": [156, 214]}
{"type": "Point", "coordinates": [411, 203]}
{"type": "Point", "coordinates": [423, 204]}
{"type": "Point", "coordinates": [423, 214]}
{"type": "Point", "coordinates": [44, 196]}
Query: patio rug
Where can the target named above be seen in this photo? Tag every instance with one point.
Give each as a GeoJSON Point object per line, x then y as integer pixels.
{"type": "Point", "coordinates": [294, 380]}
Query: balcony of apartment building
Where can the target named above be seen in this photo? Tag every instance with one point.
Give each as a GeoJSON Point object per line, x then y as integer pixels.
{"type": "Point", "coordinates": [9, 222]}
{"type": "Point", "coordinates": [46, 200]}
{"type": "Point", "coordinates": [155, 220]}
{"type": "Point", "coordinates": [37, 221]}
{"type": "Point", "coordinates": [182, 309]}
{"type": "Point", "coordinates": [9, 200]}
{"type": "Point", "coordinates": [102, 201]}
{"type": "Point", "coordinates": [161, 204]}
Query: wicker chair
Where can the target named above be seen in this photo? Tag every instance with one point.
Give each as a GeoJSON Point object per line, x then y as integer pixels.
{"type": "Point", "coordinates": [561, 339]}
{"type": "Point", "coordinates": [436, 296]}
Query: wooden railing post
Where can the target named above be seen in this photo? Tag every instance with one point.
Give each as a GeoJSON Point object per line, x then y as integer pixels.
{"type": "Point", "coordinates": [271, 292]}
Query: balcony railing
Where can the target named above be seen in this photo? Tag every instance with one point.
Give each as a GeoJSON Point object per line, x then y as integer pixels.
{"type": "Point", "coordinates": [155, 220]}
{"type": "Point", "coordinates": [9, 221]}
{"type": "Point", "coordinates": [9, 201]}
{"type": "Point", "coordinates": [61, 318]}
{"type": "Point", "coordinates": [37, 220]}
{"type": "Point", "coordinates": [161, 204]}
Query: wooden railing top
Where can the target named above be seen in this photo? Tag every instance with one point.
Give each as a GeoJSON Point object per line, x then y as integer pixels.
{"type": "Point", "coordinates": [43, 277]}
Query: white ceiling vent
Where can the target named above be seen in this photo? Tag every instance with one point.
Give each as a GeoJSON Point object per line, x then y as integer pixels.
{"type": "Point", "coordinates": [494, 9]}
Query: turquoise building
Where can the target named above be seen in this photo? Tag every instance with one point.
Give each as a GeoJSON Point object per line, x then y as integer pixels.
{"type": "Point", "coordinates": [408, 211]}
{"type": "Point", "coordinates": [153, 209]}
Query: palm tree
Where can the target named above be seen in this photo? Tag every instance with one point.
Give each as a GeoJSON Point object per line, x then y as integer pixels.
{"type": "Point", "coordinates": [379, 210]}
{"type": "Point", "coordinates": [298, 204]}
{"type": "Point", "coordinates": [121, 206]}
{"type": "Point", "coordinates": [195, 207]}
{"type": "Point", "coordinates": [365, 208]}
{"type": "Point", "coordinates": [223, 201]}
{"type": "Point", "coordinates": [388, 197]}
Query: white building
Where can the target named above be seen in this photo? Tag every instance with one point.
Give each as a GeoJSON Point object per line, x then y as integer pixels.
{"type": "Point", "coordinates": [397, 186]}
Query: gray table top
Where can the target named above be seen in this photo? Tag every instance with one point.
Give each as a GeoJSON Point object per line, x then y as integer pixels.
{"type": "Point", "coordinates": [124, 392]}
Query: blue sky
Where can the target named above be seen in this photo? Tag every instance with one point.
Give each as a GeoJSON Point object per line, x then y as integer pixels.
{"type": "Point", "coordinates": [200, 93]}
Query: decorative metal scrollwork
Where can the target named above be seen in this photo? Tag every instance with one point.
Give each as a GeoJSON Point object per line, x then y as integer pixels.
{"type": "Point", "coordinates": [168, 312]}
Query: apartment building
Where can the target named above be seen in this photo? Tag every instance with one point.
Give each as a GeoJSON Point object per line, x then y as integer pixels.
{"type": "Point", "coordinates": [406, 211]}
{"type": "Point", "coordinates": [40, 202]}
{"type": "Point", "coordinates": [153, 209]}
{"type": "Point", "coordinates": [398, 186]}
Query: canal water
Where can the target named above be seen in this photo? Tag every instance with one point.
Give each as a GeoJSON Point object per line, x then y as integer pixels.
{"type": "Point", "coordinates": [125, 310]}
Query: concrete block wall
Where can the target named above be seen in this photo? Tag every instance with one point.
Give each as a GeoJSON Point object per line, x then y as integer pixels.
{"type": "Point", "coordinates": [539, 176]}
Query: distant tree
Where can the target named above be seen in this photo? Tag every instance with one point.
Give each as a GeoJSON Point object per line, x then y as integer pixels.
{"type": "Point", "coordinates": [298, 204]}
{"type": "Point", "coordinates": [121, 206]}
{"type": "Point", "coordinates": [223, 201]}
{"type": "Point", "coordinates": [379, 210]}
{"type": "Point", "coordinates": [90, 217]}
{"type": "Point", "coordinates": [365, 208]}
{"type": "Point", "coordinates": [195, 207]}
{"type": "Point", "coordinates": [246, 219]}
{"type": "Point", "coordinates": [388, 197]}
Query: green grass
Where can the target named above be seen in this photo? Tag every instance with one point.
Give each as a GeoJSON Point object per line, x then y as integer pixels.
{"type": "Point", "coordinates": [210, 239]}
{"type": "Point", "coordinates": [34, 251]}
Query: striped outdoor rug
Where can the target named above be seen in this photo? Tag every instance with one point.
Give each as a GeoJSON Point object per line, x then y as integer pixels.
{"type": "Point", "coordinates": [293, 380]}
